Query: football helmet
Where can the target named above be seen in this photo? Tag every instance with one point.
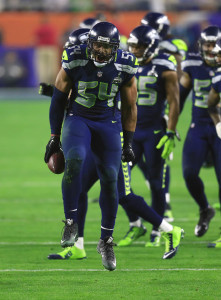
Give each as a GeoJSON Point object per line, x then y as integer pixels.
{"type": "Point", "coordinates": [77, 37]}
{"type": "Point", "coordinates": [207, 41]}
{"type": "Point", "coordinates": [89, 23]}
{"type": "Point", "coordinates": [103, 43]}
{"type": "Point", "coordinates": [158, 21]}
{"type": "Point", "coordinates": [147, 38]}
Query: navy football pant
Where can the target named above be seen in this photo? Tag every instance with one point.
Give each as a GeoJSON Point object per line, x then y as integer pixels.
{"type": "Point", "coordinates": [103, 138]}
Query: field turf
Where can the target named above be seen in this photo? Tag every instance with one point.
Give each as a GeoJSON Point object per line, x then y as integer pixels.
{"type": "Point", "coordinates": [31, 211]}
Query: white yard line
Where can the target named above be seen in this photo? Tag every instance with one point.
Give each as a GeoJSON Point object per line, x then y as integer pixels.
{"type": "Point", "coordinates": [102, 270]}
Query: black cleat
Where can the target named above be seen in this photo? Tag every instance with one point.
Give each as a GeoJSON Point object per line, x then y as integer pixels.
{"type": "Point", "coordinates": [105, 248]}
{"type": "Point", "coordinates": [205, 216]}
{"type": "Point", "coordinates": [70, 234]}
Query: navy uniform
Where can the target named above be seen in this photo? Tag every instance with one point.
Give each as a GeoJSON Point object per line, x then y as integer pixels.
{"type": "Point", "coordinates": [95, 74]}
{"type": "Point", "coordinates": [201, 137]}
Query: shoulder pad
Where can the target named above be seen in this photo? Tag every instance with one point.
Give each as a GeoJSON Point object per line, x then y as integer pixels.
{"type": "Point", "coordinates": [126, 61]}
{"type": "Point", "coordinates": [166, 60]}
{"type": "Point", "coordinates": [192, 60]}
{"type": "Point", "coordinates": [74, 56]}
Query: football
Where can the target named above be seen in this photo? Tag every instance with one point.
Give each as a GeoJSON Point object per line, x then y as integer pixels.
{"type": "Point", "coordinates": [56, 162]}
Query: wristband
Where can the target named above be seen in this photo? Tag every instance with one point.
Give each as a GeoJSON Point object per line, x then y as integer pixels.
{"type": "Point", "coordinates": [56, 114]}
{"type": "Point", "coordinates": [128, 137]}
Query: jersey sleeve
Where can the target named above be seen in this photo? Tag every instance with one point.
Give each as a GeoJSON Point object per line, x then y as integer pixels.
{"type": "Point", "coordinates": [216, 82]}
{"type": "Point", "coordinates": [192, 60]}
{"type": "Point", "coordinates": [72, 58]}
{"type": "Point", "coordinates": [166, 61]}
{"type": "Point", "coordinates": [126, 63]}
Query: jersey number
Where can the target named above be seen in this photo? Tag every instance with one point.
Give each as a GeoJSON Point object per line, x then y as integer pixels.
{"type": "Point", "coordinates": [146, 95]}
{"type": "Point", "coordinates": [89, 99]}
{"type": "Point", "coordinates": [201, 96]}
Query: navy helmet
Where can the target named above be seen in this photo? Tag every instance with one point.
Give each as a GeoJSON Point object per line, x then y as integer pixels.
{"type": "Point", "coordinates": [77, 37]}
{"type": "Point", "coordinates": [158, 21]}
{"type": "Point", "coordinates": [108, 35]}
{"type": "Point", "coordinates": [211, 34]}
{"type": "Point", "coordinates": [89, 23]}
{"type": "Point", "coordinates": [144, 36]}
{"type": "Point", "coordinates": [217, 52]}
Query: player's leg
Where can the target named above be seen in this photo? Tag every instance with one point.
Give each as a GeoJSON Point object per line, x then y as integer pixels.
{"type": "Point", "coordinates": [168, 215]}
{"type": "Point", "coordinates": [194, 152]}
{"type": "Point", "coordinates": [89, 177]}
{"type": "Point", "coordinates": [216, 157]}
{"type": "Point", "coordinates": [76, 142]}
{"type": "Point", "coordinates": [106, 147]}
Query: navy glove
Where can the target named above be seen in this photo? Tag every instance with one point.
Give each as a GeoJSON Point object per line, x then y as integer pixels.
{"type": "Point", "coordinates": [127, 151]}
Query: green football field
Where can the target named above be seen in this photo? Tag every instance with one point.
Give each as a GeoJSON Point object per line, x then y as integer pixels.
{"type": "Point", "coordinates": [31, 211]}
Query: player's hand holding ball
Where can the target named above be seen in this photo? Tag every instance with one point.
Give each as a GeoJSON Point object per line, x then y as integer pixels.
{"type": "Point", "coordinates": [54, 156]}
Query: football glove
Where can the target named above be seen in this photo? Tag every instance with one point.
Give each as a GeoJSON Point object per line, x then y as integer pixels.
{"type": "Point", "coordinates": [53, 146]}
{"type": "Point", "coordinates": [46, 89]}
{"type": "Point", "coordinates": [127, 153]}
{"type": "Point", "coordinates": [218, 129]}
{"type": "Point", "coordinates": [168, 142]}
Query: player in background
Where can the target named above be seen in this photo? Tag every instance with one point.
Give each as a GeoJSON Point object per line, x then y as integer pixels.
{"type": "Point", "coordinates": [156, 81]}
{"type": "Point", "coordinates": [198, 71]}
{"type": "Point", "coordinates": [178, 49]}
{"type": "Point", "coordinates": [126, 198]}
{"type": "Point", "coordinates": [214, 109]}
{"type": "Point", "coordinates": [90, 71]}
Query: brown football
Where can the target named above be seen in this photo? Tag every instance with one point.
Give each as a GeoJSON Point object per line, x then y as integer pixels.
{"type": "Point", "coordinates": [56, 163]}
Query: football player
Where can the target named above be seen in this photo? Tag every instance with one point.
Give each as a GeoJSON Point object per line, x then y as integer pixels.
{"type": "Point", "coordinates": [127, 199]}
{"type": "Point", "coordinates": [178, 49]}
{"type": "Point", "coordinates": [214, 109]}
{"type": "Point", "coordinates": [156, 81]}
{"type": "Point", "coordinates": [96, 72]}
{"type": "Point", "coordinates": [198, 71]}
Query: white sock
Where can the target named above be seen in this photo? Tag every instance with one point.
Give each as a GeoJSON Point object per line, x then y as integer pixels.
{"type": "Point", "coordinates": [136, 223]}
{"type": "Point", "coordinates": [167, 196]}
{"type": "Point", "coordinates": [80, 243]}
{"type": "Point", "coordinates": [165, 226]}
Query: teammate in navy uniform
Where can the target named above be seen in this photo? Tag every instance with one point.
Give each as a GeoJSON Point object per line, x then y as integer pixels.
{"type": "Point", "coordinates": [214, 109]}
{"type": "Point", "coordinates": [198, 71]}
{"type": "Point", "coordinates": [97, 73]}
{"type": "Point", "coordinates": [156, 81]}
{"type": "Point", "coordinates": [127, 198]}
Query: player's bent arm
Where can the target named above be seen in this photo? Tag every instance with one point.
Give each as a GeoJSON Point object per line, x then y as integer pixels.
{"type": "Point", "coordinates": [128, 94]}
{"type": "Point", "coordinates": [185, 88]}
{"type": "Point", "coordinates": [179, 59]}
{"type": "Point", "coordinates": [213, 100]}
{"type": "Point", "coordinates": [58, 102]}
{"type": "Point", "coordinates": [172, 96]}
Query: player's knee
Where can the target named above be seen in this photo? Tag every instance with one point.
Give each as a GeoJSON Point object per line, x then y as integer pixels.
{"type": "Point", "coordinates": [108, 177]}
{"type": "Point", "coordinates": [72, 167]}
{"type": "Point", "coordinates": [189, 174]}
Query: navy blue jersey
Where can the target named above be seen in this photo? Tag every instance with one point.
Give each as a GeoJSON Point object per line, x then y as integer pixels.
{"type": "Point", "coordinates": [201, 76]}
{"type": "Point", "coordinates": [151, 90]}
{"type": "Point", "coordinates": [216, 81]}
{"type": "Point", "coordinates": [96, 89]}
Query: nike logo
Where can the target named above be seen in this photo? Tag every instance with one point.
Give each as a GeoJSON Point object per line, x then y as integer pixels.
{"type": "Point", "coordinates": [114, 121]}
{"type": "Point", "coordinates": [156, 131]}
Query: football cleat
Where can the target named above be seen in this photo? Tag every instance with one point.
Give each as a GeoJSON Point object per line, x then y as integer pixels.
{"type": "Point", "coordinates": [69, 253]}
{"type": "Point", "coordinates": [217, 206]}
{"type": "Point", "coordinates": [70, 233]}
{"type": "Point", "coordinates": [205, 217]}
{"type": "Point", "coordinates": [215, 244]}
{"type": "Point", "coordinates": [168, 215]}
{"type": "Point", "coordinates": [172, 241]}
{"type": "Point", "coordinates": [132, 235]}
{"type": "Point", "coordinates": [154, 239]}
{"type": "Point", "coordinates": [105, 248]}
